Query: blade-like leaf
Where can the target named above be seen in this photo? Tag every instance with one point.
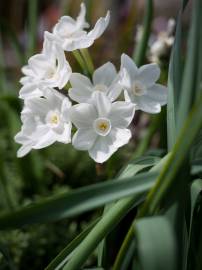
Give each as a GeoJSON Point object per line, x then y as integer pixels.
{"type": "Point", "coordinates": [155, 244]}
{"type": "Point", "coordinates": [189, 83]}
{"type": "Point", "coordinates": [78, 201]}
{"type": "Point", "coordinates": [63, 256]}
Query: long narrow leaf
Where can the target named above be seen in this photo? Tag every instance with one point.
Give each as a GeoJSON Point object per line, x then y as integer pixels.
{"type": "Point", "coordinates": [78, 201]}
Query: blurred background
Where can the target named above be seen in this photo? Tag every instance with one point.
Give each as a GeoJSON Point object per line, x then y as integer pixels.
{"type": "Point", "coordinates": [59, 168]}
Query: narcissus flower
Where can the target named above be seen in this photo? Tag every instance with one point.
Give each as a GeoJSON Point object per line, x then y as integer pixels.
{"type": "Point", "coordinates": [45, 121]}
{"type": "Point", "coordinates": [102, 126]}
{"type": "Point", "coordinates": [47, 69]}
{"type": "Point", "coordinates": [140, 85]}
{"type": "Point", "coordinates": [105, 80]}
{"type": "Point", "coordinates": [70, 34]}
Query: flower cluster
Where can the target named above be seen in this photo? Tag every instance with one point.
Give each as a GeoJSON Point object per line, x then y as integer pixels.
{"type": "Point", "coordinates": [102, 114]}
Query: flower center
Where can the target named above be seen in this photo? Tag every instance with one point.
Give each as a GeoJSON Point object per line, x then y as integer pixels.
{"type": "Point", "coordinates": [50, 73]}
{"type": "Point", "coordinates": [102, 126]}
{"type": "Point", "coordinates": [138, 88]}
{"type": "Point", "coordinates": [100, 87]}
{"type": "Point", "coordinates": [53, 119]}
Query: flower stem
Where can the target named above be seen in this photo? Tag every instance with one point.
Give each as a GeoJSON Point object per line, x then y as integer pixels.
{"type": "Point", "coordinates": [87, 58]}
{"type": "Point", "coordinates": [80, 60]}
{"type": "Point", "coordinates": [140, 51]}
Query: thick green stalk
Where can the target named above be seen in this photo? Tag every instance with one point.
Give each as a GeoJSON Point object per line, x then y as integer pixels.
{"type": "Point", "coordinates": [80, 60]}
{"type": "Point", "coordinates": [141, 48]}
{"type": "Point", "coordinates": [88, 60]}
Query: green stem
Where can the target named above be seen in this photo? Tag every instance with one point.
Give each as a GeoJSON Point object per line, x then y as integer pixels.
{"type": "Point", "coordinates": [167, 176]}
{"type": "Point", "coordinates": [80, 60]}
{"type": "Point", "coordinates": [141, 48]}
{"type": "Point", "coordinates": [32, 28]}
{"type": "Point", "coordinates": [88, 60]}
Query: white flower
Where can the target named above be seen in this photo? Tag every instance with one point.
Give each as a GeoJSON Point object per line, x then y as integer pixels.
{"type": "Point", "coordinates": [45, 121]}
{"type": "Point", "coordinates": [105, 79]}
{"type": "Point", "coordinates": [70, 34]}
{"type": "Point", "coordinates": [47, 69]}
{"type": "Point", "coordinates": [102, 126]}
{"type": "Point", "coordinates": [140, 87]}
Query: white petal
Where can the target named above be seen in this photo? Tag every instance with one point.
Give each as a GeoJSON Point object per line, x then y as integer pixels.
{"type": "Point", "coordinates": [105, 74]}
{"type": "Point", "coordinates": [129, 65]}
{"type": "Point", "coordinates": [158, 93]}
{"type": "Point", "coordinates": [99, 27]}
{"type": "Point", "coordinates": [149, 74]}
{"type": "Point", "coordinates": [148, 105]}
{"type": "Point", "coordinates": [39, 106]}
{"type": "Point", "coordinates": [102, 149]}
{"type": "Point", "coordinates": [80, 20]}
{"type": "Point", "coordinates": [102, 103]}
{"type": "Point", "coordinates": [84, 139]}
{"type": "Point", "coordinates": [44, 140]}
{"type": "Point", "coordinates": [24, 150]}
{"type": "Point", "coordinates": [82, 88]}
{"type": "Point", "coordinates": [78, 80]}
{"type": "Point", "coordinates": [65, 137]}
{"type": "Point", "coordinates": [82, 115]}
{"type": "Point", "coordinates": [121, 114]}
{"type": "Point", "coordinates": [120, 136]}
{"type": "Point", "coordinates": [114, 91]}
{"type": "Point", "coordinates": [30, 91]}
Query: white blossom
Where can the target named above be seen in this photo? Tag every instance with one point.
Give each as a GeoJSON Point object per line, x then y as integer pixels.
{"type": "Point", "coordinates": [45, 120]}
{"type": "Point", "coordinates": [70, 34]}
{"type": "Point", "coordinates": [102, 126]}
{"type": "Point", "coordinates": [104, 79]}
{"type": "Point", "coordinates": [140, 85]}
{"type": "Point", "coordinates": [47, 69]}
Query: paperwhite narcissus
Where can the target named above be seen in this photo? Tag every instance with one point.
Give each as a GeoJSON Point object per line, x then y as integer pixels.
{"type": "Point", "coordinates": [45, 121]}
{"type": "Point", "coordinates": [105, 80]}
{"type": "Point", "coordinates": [102, 126]}
{"type": "Point", "coordinates": [140, 85]}
{"type": "Point", "coordinates": [70, 34]}
{"type": "Point", "coordinates": [47, 69]}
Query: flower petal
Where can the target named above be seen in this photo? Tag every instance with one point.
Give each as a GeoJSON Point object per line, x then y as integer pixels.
{"type": "Point", "coordinates": [102, 103]}
{"type": "Point", "coordinates": [158, 93]}
{"type": "Point", "coordinates": [121, 136]}
{"type": "Point", "coordinates": [99, 27]}
{"type": "Point", "coordinates": [148, 105]}
{"type": "Point", "coordinates": [149, 74]}
{"type": "Point", "coordinates": [82, 115]}
{"type": "Point", "coordinates": [121, 114]}
{"type": "Point", "coordinates": [84, 139]}
{"type": "Point", "coordinates": [65, 137]}
{"type": "Point", "coordinates": [30, 90]}
{"type": "Point", "coordinates": [82, 88]}
{"type": "Point", "coordinates": [104, 74]}
{"type": "Point", "coordinates": [44, 138]}
{"type": "Point", "coordinates": [129, 65]}
{"type": "Point", "coordinates": [24, 150]}
{"type": "Point", "coordinates": [102, 149]}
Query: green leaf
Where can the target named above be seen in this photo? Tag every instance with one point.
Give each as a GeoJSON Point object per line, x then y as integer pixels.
{"type": "Point", "coordinates": [155, 244]}
{"type": "Point", "coordinates": [64, 255]}
{"type": "Point", "coordinates": [141, 48]}
{"type": "Point", "coordinates": [78, 201]}
{"type": "Point", "coordinates": [189, 83]}
{"type": "Point", "coordinates": [137, 165]}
